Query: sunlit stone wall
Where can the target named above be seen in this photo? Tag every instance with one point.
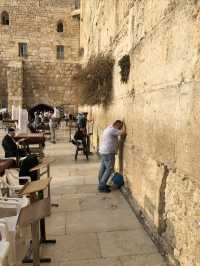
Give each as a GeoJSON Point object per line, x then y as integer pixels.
{"type": "Point", "coordinates": [46, 79]}
{"type": "Point", "coordinates": [160, 105]}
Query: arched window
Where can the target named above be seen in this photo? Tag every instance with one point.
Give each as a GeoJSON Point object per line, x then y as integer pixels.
{"type": "Point", "coordinates": [60, 27]}
{"type": "Point", "coordinates": [4, 18]}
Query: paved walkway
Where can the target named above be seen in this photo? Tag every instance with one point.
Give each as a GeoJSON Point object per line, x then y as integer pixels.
{"type": "Point", "coordinates": [91, 229]}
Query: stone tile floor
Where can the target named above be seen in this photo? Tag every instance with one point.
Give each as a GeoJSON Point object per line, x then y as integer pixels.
{"type": "Point", "coordinates": [91, 228]}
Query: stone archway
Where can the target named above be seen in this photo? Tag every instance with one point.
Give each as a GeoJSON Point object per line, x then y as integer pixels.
{"type": "Point", "coordinates": [39, 108]}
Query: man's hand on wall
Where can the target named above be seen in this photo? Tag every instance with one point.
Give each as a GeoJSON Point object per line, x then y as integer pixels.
{"type": "Point", "coordinates": [124, 134]}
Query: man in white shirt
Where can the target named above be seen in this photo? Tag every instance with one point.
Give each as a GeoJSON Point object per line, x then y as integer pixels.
{"type": "Point", "coordinates": [108, 149]}
{"type": "Point", "coordinates": [52, 127]}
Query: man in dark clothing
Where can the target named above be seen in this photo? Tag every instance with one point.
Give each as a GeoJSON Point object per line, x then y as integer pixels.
{"type": "Point", "coordinates": [11, 146]}
{"type": "Point", "coordinates": [80, 135]}
{"type": "Point", "coordinates": [80, 138]}
{"type": "Point", "coordinates": [83, 120]}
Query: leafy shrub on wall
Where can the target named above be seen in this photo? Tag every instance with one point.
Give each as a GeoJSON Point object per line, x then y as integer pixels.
{"type": "Point", "coordinates": [95, 80]}
{"type": "Point", "coordinates": [124, 64]}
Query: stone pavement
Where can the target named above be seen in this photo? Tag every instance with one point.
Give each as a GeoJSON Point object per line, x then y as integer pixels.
{"type": "Point", "coordinates": [91, 228]}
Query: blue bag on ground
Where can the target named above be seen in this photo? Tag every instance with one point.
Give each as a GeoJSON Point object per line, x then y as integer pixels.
{"type": "Point", "coordinates": [117, 180]}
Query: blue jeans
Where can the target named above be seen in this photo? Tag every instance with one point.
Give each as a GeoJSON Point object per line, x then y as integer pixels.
{"type": "Point", "coordinates": [106, 169]}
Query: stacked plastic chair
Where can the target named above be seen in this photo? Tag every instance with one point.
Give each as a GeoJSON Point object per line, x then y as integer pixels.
{"type": "Point", "coordinates": [4, 245]}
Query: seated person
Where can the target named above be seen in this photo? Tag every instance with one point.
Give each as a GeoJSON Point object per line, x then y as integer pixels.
{"type": "Point", "coordinates": [80, 138]}
{"type": "Point", "coordinates": [11, 146]}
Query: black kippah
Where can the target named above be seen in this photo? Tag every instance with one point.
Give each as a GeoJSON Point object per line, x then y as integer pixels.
{"type": "Point", "coordinates": [11, 129]}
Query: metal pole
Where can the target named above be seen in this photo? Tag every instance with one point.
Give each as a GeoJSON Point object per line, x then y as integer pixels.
{"type": "Point", "coordinates": [35, 238]}
{"type": "Point", "coordinates": [35, 243]}
{"type": "Point", "coordinates": [70, 123]}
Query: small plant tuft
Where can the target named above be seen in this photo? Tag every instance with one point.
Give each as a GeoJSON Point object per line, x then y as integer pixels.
{"type": "Point", "coordinates": [124, 64]}
{"type": "Point", "coordinates": [81, 51]}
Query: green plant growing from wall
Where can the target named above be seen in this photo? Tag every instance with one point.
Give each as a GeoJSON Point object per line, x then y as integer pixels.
{"type": "Point", "coordinates": [95, 80]}
{"type": "Point", "coordinates": [124, 64]}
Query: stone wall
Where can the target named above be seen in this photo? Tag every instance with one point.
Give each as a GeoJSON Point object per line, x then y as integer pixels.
{"type": "Point", "coordinates": [15, 84]}
{"type": "Point", "coordinates": [35, 23]}
{"type": "Point", "coordinates": [3, 84]}
{"type": "Point", "coordinates": [49, 82]}
{"type": "Point", "coordinates": [160, 105]}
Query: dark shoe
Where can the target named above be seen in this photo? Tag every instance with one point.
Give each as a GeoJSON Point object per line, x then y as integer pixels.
{"type": "Point", "coordinates": [104, 190]}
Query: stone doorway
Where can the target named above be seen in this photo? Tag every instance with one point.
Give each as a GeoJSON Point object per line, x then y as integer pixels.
{"type": "Point", "coordinates": [39, 108]}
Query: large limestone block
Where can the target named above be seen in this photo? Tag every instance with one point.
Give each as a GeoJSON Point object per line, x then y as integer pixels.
{"type": "Point", "coordinates": [73, 247]}
{"type": "Point", "coordinates": [183, 218]}
{"type": "Point", "coordinates": [123, 243]}
{"type": "Point", "coordinates": [101, 220]}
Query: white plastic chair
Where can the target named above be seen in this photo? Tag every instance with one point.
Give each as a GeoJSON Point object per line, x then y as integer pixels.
{"type": "Point", "coordinates": [4, 252]}
{"type": "Point", "coordinates": [4, 245]}
{"type": "Point", "coordinates": [11, 222]}
{"type": "Point", "coordinates": [11, 180]}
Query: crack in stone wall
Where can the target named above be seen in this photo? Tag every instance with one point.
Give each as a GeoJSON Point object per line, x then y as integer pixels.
{"type": "Point", "coordinates": [162, 202]}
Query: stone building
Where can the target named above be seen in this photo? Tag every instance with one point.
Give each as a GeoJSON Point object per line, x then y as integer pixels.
{"type": "Point", "coordinates": [160, 105]}
{"type": "Point", "coordinates": [39, 50]}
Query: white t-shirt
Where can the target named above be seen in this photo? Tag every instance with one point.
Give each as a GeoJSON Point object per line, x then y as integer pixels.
{"type": "Point", "coordinates": [109, 141]}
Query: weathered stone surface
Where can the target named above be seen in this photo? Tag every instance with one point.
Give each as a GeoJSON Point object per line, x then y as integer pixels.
{"type": "Point", "coordinates": [3, 85]}
{"type": "Point", "coordinates": [101, 221]}
{"type": "Point", "coordinates": [160, 105]}
{"type": "Point", "coordinates": [123, 243]}
{"type": "Point", "coordinates": [97, 262]}
{"type": "Point", "coordinates": [15, 84]}
{"type": "Point", "coordinates": [56, 224]}
{"type": "Point", "coordinates": [74, 247]}
{"type": "Point", "coordinates": [82, 211]}
{"type": "Point", "coordinates": [148, 260]}
{"type": "Point", "coordinates": [46, 79]}
{"type": "Point", "coordinates": [182, 218]}
{"type": "Point", "coordinates": [94, 202]}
